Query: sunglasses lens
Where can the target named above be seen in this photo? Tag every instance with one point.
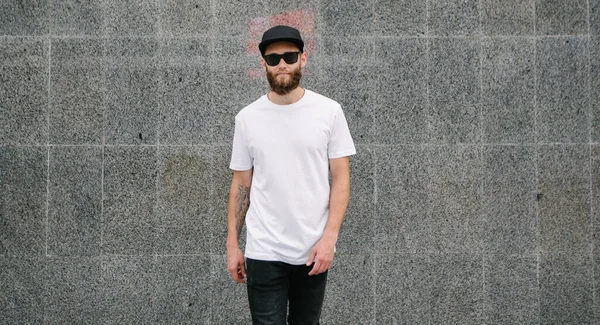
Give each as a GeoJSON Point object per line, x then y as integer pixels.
{"type": "Point", "coordinates": [288, 57]}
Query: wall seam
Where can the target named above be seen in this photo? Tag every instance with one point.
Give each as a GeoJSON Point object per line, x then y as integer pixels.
{"type": "Point", "coordinates": [536, 164]}
{"type": "Point", "coordinates": [591, 160]}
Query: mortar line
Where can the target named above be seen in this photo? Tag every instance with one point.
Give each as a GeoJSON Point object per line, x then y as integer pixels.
{"type": "Point", "coordinates": [48, 107]}
{"type": "Point", "coordinates": [483, 213]}
{"type": "Point", "coordinates": [536, 161]}
{"type": "Point", "coordinates": [591, 152]}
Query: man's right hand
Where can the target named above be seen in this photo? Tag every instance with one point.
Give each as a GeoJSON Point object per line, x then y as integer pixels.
{"type": "Point", "coordinates": [236, 264]}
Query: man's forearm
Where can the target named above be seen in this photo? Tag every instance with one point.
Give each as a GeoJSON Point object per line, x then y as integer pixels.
{"type": "Point", "coordinates": [338, 202]}
{"type": "Point", "coordinates": [239, 202]}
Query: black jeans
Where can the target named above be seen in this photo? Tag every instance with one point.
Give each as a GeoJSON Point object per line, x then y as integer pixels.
{"type": "Point", "coordinates": [270, 286]}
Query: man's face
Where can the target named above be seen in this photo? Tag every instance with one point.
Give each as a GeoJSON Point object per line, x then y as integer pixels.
{"type": "Point", "coordinates": [284, 77]}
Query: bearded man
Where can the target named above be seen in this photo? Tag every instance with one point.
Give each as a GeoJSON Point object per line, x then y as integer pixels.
{"type": "Point", "coordinates": [285, 145]}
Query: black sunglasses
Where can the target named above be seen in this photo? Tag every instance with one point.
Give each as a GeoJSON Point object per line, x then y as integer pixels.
{"type": "Point", "coordinates": [288, 57]}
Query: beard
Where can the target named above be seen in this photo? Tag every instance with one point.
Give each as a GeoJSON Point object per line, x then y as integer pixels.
{"type": "Point", "coordinates": [284, 87]}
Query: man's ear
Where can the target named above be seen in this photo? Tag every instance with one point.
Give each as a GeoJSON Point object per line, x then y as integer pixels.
{"type": "Point", "coordinates": [303, 59]}
{"type": "Point", "coordinates": [263, 63]}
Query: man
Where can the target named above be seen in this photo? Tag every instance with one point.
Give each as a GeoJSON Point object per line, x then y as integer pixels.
{"type": "Point", "coordinates": [284, 146]}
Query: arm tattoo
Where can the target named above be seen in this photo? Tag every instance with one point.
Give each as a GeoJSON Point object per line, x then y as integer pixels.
{"type": "Point", "coordinates": [242, 202]}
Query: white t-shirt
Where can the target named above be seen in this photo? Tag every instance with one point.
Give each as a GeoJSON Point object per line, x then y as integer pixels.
{"type": "Point", "coordinates": [289, 147]}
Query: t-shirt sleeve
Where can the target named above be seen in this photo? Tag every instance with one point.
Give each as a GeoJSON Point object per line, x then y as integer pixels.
{"type": "Point", "coordinates": [340, 140]}
{"type": "Point", "coordinates": [240, 155]}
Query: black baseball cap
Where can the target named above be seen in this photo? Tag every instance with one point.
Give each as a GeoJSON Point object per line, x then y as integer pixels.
{"type": "Point", "coordinates": [281, 34]}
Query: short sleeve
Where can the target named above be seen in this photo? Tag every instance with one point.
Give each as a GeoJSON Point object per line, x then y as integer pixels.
{"type": "Point", "coordinates": [340, 140]}
{"type": "Point", "coordinates": [240, 155]}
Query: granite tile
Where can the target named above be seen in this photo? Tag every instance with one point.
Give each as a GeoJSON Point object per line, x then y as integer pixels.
{"type": "Point", "coordinates": [400, 91]}
{"type": "Point", "coordinates": [185, 215]}
{"type": "Point", "coordinates": [24, 19]}
{"type": "Point", "coordinates": [221, 184]}
{"type": "Point", "coordinates": [73, 290]}
{"type": "Point", "coordinates": [595, 86]}
{"type": "Point", "coordinates": [595, 196]}
{"type": "Point", "coordinates": [455, 198]}
{"type": "Point", "coordinates": [186, 105]}
{"type": "Point", "coordinates": [76, 91]}
{"type": "Point", "coordinates": [183, 290]}
{"type": "Point", "coordinates": [233, 89]}
{"type": "Point", "coordinates": [23, 174]}
{"type": "Point", "coordinates": [403, 220]}
{"type": "Point", "coordinates": [75, 204]}
{"type": "Point", "coordinates": [564, 199]}
{"type": "Point", "coordinates": [132, 96]}
{"type": "Point", "coordinates": [394, 18]}
{"type": "Point", "coordinates": [248, 19]}
{"type": "Point", "coordinates": [457, 289]}
{"type": "Point", "coordinates": [230, 299]}
{"type": "Point", "coordinates": [596, 285]}
{"type": "Point", "coordinates": [509, 200]}
{"type": "Point", "coordinates": [555, 17]}
{"type": "Point", "coordinates": [131, 18]}
{"type": "Point", "coordinates": [562, 83]}
{"type": "Point", "coordinates": [349, 293]}
{"type": "Point", "coordinates": [75, 17]}
{"type": "Point", "coordinates": [346, 50]}
{"type": "Point", "coordinates": [512, 289]}
{"type": "Point", "coordinates": [594, 17]}
{"type": "Point", "coordinates": [453, 17]}
{"type": "Point", "coordinates": [508, 105]}
{"type": "Point", "coordinates": [346, 18]}
{"type": "Point", "coordinates": [454, 91]}
{"type": "Point", "coordinates": [186, 18]}
{"type": "Point", "coordinates": [403, 289]}
{"type": "Point", "coordinates": [353, 94]}
{"type": "Point", "coordinates": [356, 235]}
{"type": "Point", "coordinates": [300, 15]}
{"type": "Point", "coordinates": [566, 294]}
{"type": "Point", "coordinates": [128, 287]}
{"type": "Point", "coordinates": [513, 17]}
{"type": "Point", "coordinates": [24, 91]}
{"type": "Point", "coordinates": [21, 290]}
{"type": "Point", "coordinates": [129, 220]}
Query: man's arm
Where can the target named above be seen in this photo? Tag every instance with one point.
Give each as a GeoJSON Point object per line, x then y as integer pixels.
{"type": "Point", "coordinates": [322, 253]}
{"type": "Point", "coordinates": [239, 201]}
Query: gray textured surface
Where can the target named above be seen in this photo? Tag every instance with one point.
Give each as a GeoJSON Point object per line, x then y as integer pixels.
{"type": "Point", "coordinates": [349, 294]}
{"type": "Point", "coordinates": [400, 99]}
{"type": "Point", "coordinates": [475, 190]}
{"type": "Point", "coordinates": [455, 193]}
{"type": "Point", "coordinates": [24, 91]}
{"type": "Point", "coordinates": [129, 216]}
{"type": "Point", "coordinates": [509, 200]}
{"type": "Point", "coordinates": [507, 97]}
{"type": "Point", "coordinates": [454, 91]}
{"type": "Point", "coordinates": [23, 179]}
{"type": "Point", "coordinates": [403, 289]}
{"type": "Point", "coordinates": [73, 290]}
{"type": "Point", "coordinates": [403, 218]}
{"type": "Point", "coordinates": [75, 203]}
{"type": "Point", "coordinates": [562, 68]}
{"type": "Point", "coordinates": [24, 19]}
{"type": "Point", "coordinates": [76, 91]}
{"type": "Point", "coordinates": [454, 276]}
{"type": "Point", "coordinates": [566, 289]}
{"type": "Point", "coordinates": [21, 290]}
{"type": "Point", "coordinates": [186, 220]}
{"type": "Point", "coordinates": [564, 205]}
{"type": "Point", "coordinates": [132, 91]}
{"type": "Point", "coordinates": [76, 17]}
{"type": "Point", "coordinates": [556, 17]}
{"type": "Point", "coordinates": [453, 17]}
{"type": "Point", "coordinates": [513, 293]}
{"type": "Point", "coordinates": [512, 17]}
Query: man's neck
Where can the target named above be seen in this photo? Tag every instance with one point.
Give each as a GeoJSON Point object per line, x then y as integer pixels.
{"type": "Point", "coordinates": [289, 98]}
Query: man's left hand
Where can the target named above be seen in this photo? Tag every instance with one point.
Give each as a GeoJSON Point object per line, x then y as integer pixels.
{"type": "Point", "coordinates": [322, 256]}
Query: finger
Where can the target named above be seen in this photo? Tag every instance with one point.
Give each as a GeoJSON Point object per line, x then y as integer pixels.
{"type": "Point", "coordinates": [243, 269]}
{"type": "Point", "coordinates": [315, 269]}
{"type": "Point", "coordinates": [235, 275]}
